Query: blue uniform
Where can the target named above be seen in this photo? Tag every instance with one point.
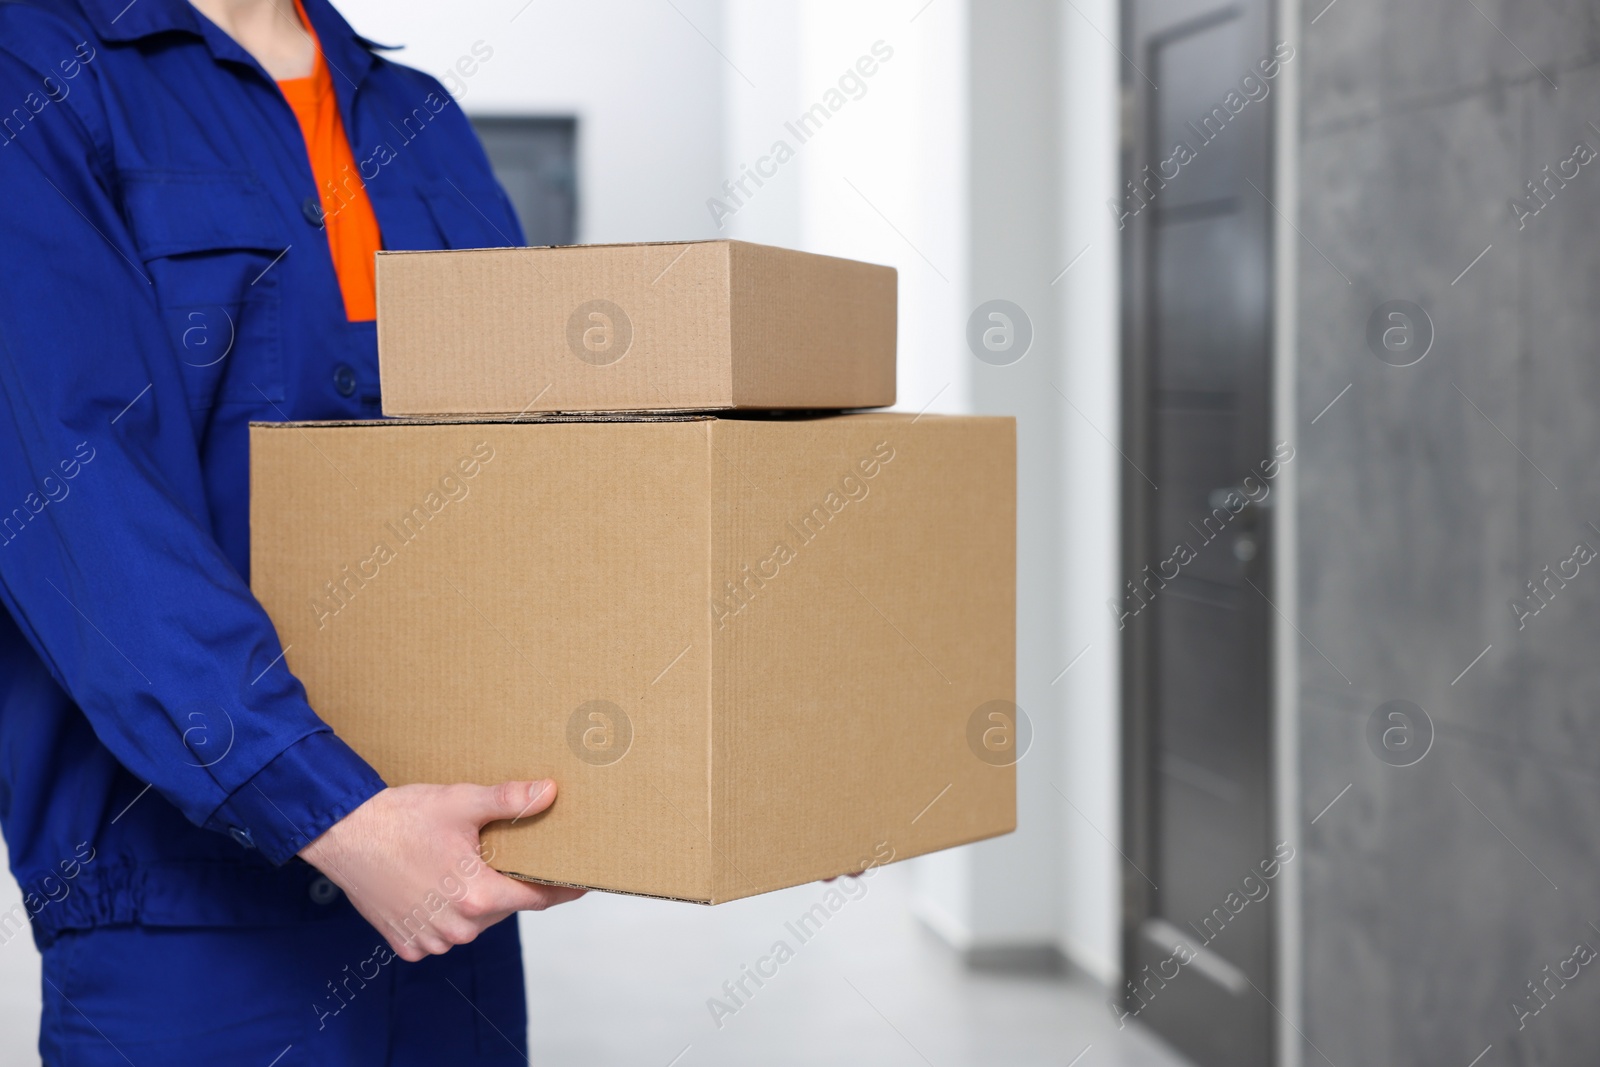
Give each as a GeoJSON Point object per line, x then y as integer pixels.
{"type": "Point", "coordinates": [323, 993]}
{"type": "Point", "coordinates": [164, 279]}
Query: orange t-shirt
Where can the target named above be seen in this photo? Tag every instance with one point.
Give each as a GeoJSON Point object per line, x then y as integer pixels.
{"type": "Point", "coordinates": [352, 228]}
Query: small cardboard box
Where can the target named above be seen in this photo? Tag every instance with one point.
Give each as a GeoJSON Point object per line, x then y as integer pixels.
{"type": "Point", "coordinates": [753, 653]}
{"type": "Point", "coordinates": [701, 326]}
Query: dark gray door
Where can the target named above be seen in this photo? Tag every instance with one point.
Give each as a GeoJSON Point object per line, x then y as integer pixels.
{"type": "Point", "coordinates": [1199, 88]}
{"type": "Point", "coordinates": [535, 160]}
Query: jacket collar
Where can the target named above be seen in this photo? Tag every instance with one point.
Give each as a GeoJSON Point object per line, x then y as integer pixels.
{"type": "Point", "coordinates": [121, 20]}
{"type": "Point", "coordinates": [131, 20]}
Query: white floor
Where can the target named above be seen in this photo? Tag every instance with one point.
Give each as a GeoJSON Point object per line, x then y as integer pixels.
{"type": "Point", "coordinates": [19, 985]}
{"type": "Point", "coordinates": [623, 981]}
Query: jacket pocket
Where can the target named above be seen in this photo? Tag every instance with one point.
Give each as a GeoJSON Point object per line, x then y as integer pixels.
{"type": "Point", "coordinates": [426, 215]}
{"type": "Point", "coordinates": [210, 241]}
{"type": "Point", "coordinates": [470, 214]}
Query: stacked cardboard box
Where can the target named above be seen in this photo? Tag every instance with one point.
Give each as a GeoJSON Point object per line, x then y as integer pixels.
{"type": "Point", "coordinates": [753, 649]}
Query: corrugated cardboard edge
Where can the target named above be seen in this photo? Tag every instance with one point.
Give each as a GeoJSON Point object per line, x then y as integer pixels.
{"type": "Point", "coordinates": [509, 418]}
{"type": "Point", "coordinates": [574, 414]}
{"type": "Point", "coordinates": [621, 244]}
{"type": "Point", "coordinates": [552, 248]}
{"type": "Point", "coordinates": [603, 889]}
{"type": "Point", "coordinates": [498, 420]}
{"type": "Point", "coordinates": [621, 416]}
{"type": "Point", "coordinates": [716, 787]}
{"type": "Point", "coordinates": [717, 897]}
{"type": "Point", "coordinates": [714, 834]}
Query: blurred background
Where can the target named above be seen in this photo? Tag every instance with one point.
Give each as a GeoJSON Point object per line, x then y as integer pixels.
{"type": "Point", "coordinates": [1294, 304]}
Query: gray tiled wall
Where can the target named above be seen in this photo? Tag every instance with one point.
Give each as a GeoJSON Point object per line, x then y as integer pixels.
{"type": "Point", "coordinates": [1430, 495]}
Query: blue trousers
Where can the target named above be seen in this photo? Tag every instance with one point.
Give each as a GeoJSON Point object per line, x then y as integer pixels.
{"type": "Point", "coordinates": [316, 993]}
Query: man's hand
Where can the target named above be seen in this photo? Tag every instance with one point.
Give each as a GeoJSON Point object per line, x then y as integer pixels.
{"type": "Point", "coordinates": [408, 859]}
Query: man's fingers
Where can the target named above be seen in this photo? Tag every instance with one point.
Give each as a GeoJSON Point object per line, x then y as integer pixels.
{"type": "Point", "coordinates": [551, 895]}
{"type": "Point", "coordinates": [512, 800]}
{"type": "Point", "coordinates": [504, 895]}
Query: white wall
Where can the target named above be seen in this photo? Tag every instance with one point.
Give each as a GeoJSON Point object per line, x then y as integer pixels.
{"type": "Point", "coordinates": [644, 83]}
{"type": "Point", "coordinates": [666, 116]}
{"type": "Point", "coordinates": [762, 39]}
{"type": "Point", "coordinates": [1088, 500]}
{"type": "Point", "coordinates": [883, 180]}
{"type": "Point", "coordinates": [1013, 204]}
{"type": "Point", "coordinates": [1040, 156]}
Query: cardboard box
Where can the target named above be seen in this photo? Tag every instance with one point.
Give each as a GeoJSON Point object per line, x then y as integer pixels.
{"type": "Point", "coordinates": [752, 653]}
{"type": "Point", "coordinates": [655, 327]}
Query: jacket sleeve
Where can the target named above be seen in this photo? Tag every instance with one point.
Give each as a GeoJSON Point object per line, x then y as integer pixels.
{"type": "Point", "coordinates": [107, 560]}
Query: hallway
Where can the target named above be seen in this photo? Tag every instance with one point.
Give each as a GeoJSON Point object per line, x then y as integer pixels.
{"type": "Point", "coordinates": [871, 986]}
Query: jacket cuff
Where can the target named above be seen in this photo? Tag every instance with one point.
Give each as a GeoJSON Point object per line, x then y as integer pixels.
{"type": "Point", "coordinates": [291, 801]}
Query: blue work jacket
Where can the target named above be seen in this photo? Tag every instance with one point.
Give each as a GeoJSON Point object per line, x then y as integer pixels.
{"type": "Point", "coordinates": [165, 278]}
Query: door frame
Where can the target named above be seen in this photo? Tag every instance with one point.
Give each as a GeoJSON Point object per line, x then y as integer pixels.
{"type": "Point", "coordinates": [1136, 515]}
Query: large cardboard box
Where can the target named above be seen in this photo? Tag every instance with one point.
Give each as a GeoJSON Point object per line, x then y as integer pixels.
{"type": "Point", "coordinates": [753, 653]}
{"type": "Point", "coordinates": [655, 327]}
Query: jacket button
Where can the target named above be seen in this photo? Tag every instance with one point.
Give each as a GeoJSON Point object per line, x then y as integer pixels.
{"type": "Point", "coordinates": [311, 208]}
{"type": "Point", "coordinates": [242, 836]}
{"type": "Point", "coordinates": [344, 380]}
{"type": "Point", "coordinates": [324, 891]}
